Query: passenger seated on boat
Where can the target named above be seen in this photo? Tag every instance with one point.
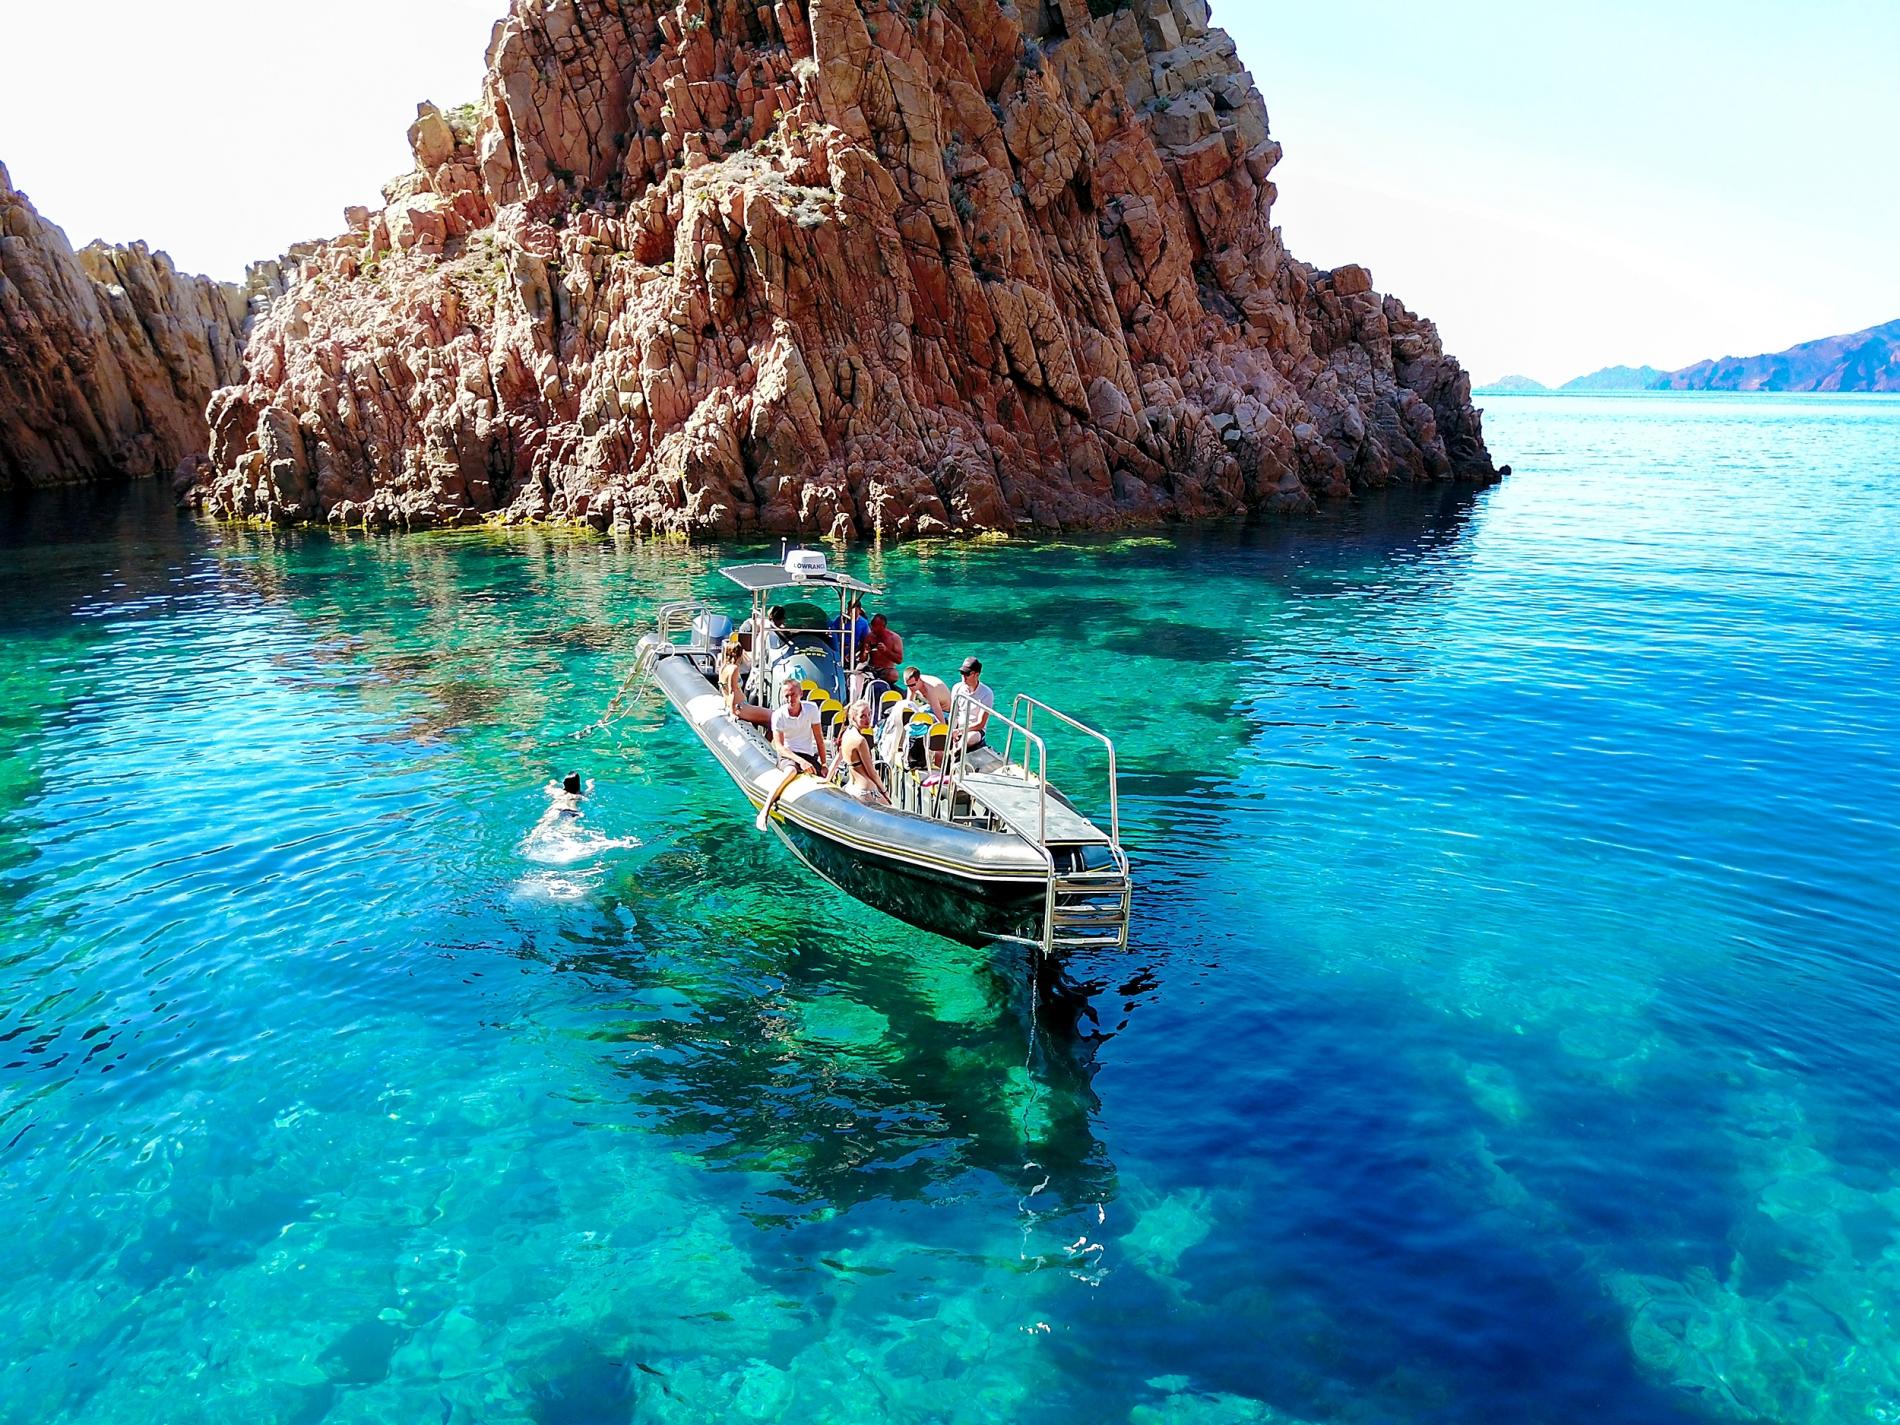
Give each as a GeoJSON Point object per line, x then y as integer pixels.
{"type": "Point", "coordinates": [977, 719]}
{"type": "Point", "coordinates": [927, 694]}
{"type": "Point", "coordinates": [795, 732]}
{"type": "Point", "coordinates": [732, 685]}
{"type": "Point", "coordinates": [861, 778]}
{"type": "Point", "coordinates": [884, 649]}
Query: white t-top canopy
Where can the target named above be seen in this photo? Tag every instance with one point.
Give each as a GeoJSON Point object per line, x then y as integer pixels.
{"type": "Point", "coordinates": [755, 577]}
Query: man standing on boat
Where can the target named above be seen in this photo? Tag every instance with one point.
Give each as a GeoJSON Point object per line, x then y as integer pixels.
{"type": "Point", "coordinates": [885, 649]}
{"type": "Point", "coordinates": [851, 632]}
{"type": "Point", "coordinates": [795, 732]}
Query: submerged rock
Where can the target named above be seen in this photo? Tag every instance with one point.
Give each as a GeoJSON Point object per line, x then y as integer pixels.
{"type": "Point", "coordinates": [834, 267]}
{"type": "Point", "coordinates": [1186, 1407]}
{"type": "Point", "coordinates": [1167, 1230]}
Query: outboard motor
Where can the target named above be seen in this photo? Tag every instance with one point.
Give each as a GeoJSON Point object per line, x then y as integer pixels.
{"type": "Point", "coordinates": [710, 629]}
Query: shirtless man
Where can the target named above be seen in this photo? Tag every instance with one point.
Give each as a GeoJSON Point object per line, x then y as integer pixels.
{"type": "Point", "coordinates": [927, 694]}
{"type": "Point", "coordinates": [884, 648]}
{"type": "Point", "coordinates": [861, 778]}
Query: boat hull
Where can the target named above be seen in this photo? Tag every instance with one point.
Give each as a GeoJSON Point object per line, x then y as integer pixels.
{"type": "Point", "coordinates": [975, 912]}
{"type": "Point", "coordinates": [958, 881]}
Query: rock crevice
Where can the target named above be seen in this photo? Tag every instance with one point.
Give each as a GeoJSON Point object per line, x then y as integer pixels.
{"type": "Point", "coordinates": [835, 267]}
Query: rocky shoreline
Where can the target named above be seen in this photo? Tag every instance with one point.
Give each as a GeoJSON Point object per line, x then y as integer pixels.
{"type": "Point", "coordinates": [834, 268]}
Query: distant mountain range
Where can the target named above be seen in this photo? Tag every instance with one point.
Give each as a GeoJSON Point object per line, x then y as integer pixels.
{"type": "Point", "coordinates": [1860, 361]}
{"type": "Point", "coordinates": [1619, 378]}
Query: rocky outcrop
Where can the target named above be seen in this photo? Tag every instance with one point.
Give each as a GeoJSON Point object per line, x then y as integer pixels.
{"type": "Point", "coordinates": [108, 355]}
{"type": "Point", "coordinates": [835, 266]}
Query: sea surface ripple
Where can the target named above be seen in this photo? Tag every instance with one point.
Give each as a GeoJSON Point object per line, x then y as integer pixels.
{"type": "Point", "coordinates": [1508, 1032]}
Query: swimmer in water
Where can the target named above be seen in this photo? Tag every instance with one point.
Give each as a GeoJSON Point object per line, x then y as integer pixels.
{"type": "Point", "coordinates": [563, 838]}
{"type": "Point", "coordinates": [565, 803]}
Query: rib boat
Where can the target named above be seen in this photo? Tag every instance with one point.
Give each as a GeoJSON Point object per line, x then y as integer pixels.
{"type": "Point", "coordinates": [975, 844]}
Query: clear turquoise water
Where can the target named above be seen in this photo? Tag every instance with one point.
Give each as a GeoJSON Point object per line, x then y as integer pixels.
{"type": "Point", "coordinates": [1508, 1032]}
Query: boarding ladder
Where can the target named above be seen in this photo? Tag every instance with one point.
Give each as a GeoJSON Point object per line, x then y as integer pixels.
{"type": "Point", "coordinates": [1087, 902]}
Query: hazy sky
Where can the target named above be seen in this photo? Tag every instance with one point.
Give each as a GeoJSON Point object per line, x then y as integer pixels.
{"type": "Point", "coordinates": [1560, 186]}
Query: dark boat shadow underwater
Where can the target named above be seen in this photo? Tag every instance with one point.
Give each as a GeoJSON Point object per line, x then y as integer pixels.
{"type": "Point", "coordinates": [816, 1041]}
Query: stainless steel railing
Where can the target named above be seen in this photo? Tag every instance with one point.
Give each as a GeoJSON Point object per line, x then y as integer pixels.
{"type": "Point", "coordinates": [964, 710]}
{"type": "Point", "coordinates": [677, 617]}
{"type": "Point", "coordinates": [1028, 705]}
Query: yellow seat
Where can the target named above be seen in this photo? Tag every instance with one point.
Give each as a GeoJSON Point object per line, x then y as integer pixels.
{"type": "Point", "coordinates": [812, 690]}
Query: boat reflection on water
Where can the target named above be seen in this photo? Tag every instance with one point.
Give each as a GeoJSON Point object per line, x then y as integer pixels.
{"type": "Point", "coordinates": [839, 1068]}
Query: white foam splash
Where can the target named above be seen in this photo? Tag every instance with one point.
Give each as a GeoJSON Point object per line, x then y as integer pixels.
{"type": "Point", "coordinates": [561, 838]}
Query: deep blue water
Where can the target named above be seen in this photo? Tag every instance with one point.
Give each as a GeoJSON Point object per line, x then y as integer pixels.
{"type": "Point", "coordinates": [1508, 1032]}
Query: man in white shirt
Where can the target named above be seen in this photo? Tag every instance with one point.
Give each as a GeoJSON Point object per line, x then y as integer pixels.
{"type": "Point", "coordinates": [974, 688]}
{"type": "Point", "coordinates": [795, 732]}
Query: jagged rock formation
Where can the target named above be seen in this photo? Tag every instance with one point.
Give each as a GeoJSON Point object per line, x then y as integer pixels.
{"type": "Point", "coordinates": [835, 266]}
{"type": "Point", "coordinates": [108, 355]}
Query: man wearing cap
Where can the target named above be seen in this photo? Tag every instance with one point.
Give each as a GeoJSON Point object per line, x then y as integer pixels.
{"type": "Point", "coordinates": [851, 633]}
{"type": "Point", "coordinates": [979, 692]}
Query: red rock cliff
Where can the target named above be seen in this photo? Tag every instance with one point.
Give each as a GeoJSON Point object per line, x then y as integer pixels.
{"type": "Point", "coordinates": [107, 355]}
{"type": "Point", "coordinates": [835, 266]}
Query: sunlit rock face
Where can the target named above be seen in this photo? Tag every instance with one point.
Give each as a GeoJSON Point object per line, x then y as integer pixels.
{"type": "Point", "coordinates": [107, 355]}
{"type": "Point", "coordinates": [835, 267]}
